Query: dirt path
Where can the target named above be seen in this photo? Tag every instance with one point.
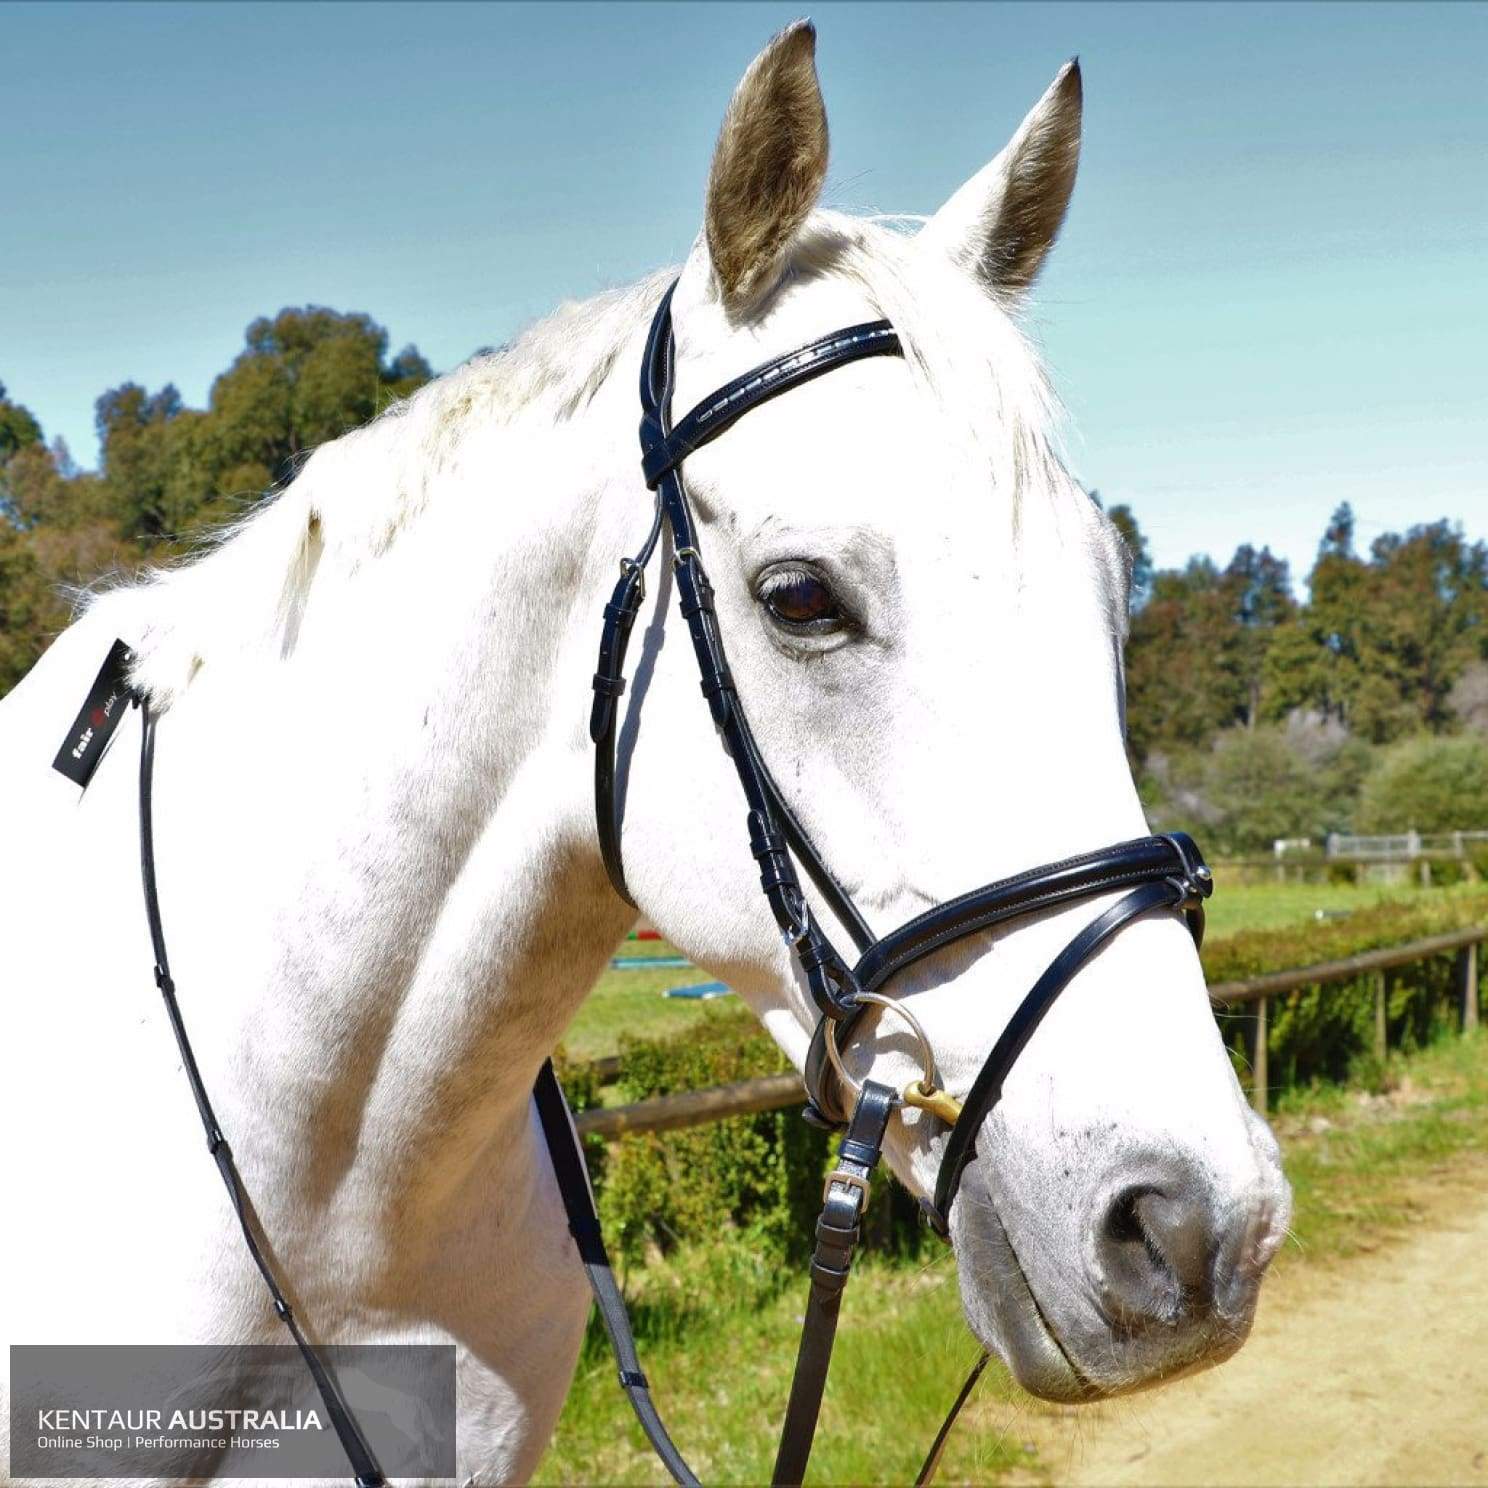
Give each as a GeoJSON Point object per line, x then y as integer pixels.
{"type": "Point", "coordinates": [1370, 1371]}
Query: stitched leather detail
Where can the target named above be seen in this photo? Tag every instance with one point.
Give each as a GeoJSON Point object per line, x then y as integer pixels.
{"type": "Point", "coordinates": [660, 456]}
{"type": "Point", "coordinates": [619, 618]}
{"type": "Point", "coordinates": [1026, 893]}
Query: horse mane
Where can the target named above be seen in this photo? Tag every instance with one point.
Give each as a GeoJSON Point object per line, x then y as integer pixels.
{"type": "Point", "coordinates": [245, 585]}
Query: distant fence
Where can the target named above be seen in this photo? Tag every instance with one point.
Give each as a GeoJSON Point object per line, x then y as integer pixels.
{"type": "Point", "coordinates": [1403, 847]}
{"type": "Point", "coordinates": [774, 1092]}
{"type": "Point", "coordinates": [1297, 857]}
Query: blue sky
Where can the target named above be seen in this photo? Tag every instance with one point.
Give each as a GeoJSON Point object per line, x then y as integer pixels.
{"type": "Point", "coordinates": [1270, 295]}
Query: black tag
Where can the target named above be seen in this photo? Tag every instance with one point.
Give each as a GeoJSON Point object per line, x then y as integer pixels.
{"type": "Point", "coordinates": [107, 702]}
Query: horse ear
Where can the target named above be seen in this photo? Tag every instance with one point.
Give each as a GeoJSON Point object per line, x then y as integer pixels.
{"type": "Point", "coordinates": [768, 166]}
{"type": "Point", "coordinates": [1001, 224]}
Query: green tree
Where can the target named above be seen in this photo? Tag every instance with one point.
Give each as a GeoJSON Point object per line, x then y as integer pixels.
{"type": "Point", "coordinates": [1338, 536]}
{"type": "Point", "coordinates": [1260, 589]}
{"type": "Point", "coordinates": [1261, 788]}
{"type": "Point", "coordinates": [1469, 698]}
{"type": "Point", "coordinates": [1186, 660]}
{"type": "Point", "coordinates": [1255, 784]}
{"type": "Point", "coordinates": [19, 432]}
{"type": "Point", "coordinates": [134, 428]}
{"type": "Point", "coordinates": [27, 606]}
{"type": "Point", "coordinates": [1430, 614]}
{"type": "Point", "coordinates": [305, 377]}
{"type": "Point", "coordinates": [1395, 632]}
{"type": "Point", "coordinates": [18, 427]}
{"type": "Point", "coordinates": [36, 490]}
{"type": "Point", "coordinates": [1428, 785]}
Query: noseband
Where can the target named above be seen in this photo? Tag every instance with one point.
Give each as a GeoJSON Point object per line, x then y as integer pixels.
{"type": "Point", "coordinates": [1152, 872]}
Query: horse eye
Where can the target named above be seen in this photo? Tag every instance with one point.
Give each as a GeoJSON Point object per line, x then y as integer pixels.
{"type": "Point", "coordinates": [800, 600]}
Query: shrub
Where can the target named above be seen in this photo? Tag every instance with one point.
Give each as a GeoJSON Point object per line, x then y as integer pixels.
{"type": "Point", "coordinates": [754, 1174]}
{"type": "Point", "coordinates": [1254, 785]}
{"type": "Point", "coordinates": [1260, 787]}
{"type": "Point", "coordinates": [1428, 785]}
{"type": "Point", "coordinates": [1252, 953]}
{"type": "Point", "coordinates": [759, 1176]}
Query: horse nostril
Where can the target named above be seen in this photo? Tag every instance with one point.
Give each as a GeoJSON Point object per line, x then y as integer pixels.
{"type": "Point", "coordinates": [1155, 1254]}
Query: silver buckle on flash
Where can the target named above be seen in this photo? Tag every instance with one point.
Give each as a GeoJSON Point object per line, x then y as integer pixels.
{"type": "Point", "coordinates": [847, 1180]}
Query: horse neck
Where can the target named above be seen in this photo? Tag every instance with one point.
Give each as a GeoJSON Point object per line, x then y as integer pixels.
{"type": "Point", "coordinates": [413, 869]}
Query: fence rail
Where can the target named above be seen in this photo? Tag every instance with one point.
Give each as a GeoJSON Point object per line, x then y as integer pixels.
{"type": "Point", "coordinates": [1402, 846]}
{"type": "Point", "coordinates": [1301, 858]}
{"type": "Point", "coordinates": [1252, 989]}
{"type": "Point", "coordinates": [775, 1092]}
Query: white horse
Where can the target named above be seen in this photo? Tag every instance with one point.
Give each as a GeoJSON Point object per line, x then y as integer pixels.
{"type": "Point", "coordinates": [376, 843]}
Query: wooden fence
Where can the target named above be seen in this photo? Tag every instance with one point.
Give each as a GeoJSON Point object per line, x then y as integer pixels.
{"type": "Point", "coordinates": [1426, 869]}
{"type": "Point", "coordinates": [1374, 964]}
{"type": "Point", "coordinates": [1404, 846]}
{"type": "Point", "coordinates": [774, 1092]}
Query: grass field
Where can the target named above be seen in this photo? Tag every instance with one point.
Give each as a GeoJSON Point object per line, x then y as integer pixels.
{"type": "Point", "coordinates": [631, 1001]}
{"type": "Point", "coordinates": [720, 1373]}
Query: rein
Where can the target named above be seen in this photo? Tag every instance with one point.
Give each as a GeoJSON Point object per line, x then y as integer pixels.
{"type": "Point", "coordinates": [1153, 873]}
{"type": "Point", "coordinates": [353, 1443]}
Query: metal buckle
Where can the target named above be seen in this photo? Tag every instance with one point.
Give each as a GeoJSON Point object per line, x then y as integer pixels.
{"type": "Point", "coordinates": [800, 932]}
{"type": "Point", "coordinates": [629, 566]}
{"type": "Point", "coordinates": [848, 1180]}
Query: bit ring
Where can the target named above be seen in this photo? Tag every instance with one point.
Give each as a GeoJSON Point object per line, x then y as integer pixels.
{"type": "Point", "coordinates": [927, 1059]}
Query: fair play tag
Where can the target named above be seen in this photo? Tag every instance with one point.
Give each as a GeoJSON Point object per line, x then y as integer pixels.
{"type": "Point", "coordinates": [106, 703]}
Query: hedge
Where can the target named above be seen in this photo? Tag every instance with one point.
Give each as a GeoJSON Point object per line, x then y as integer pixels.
{"type": "Point", "coordinates": [760, 1176]}
{"type": "Point", "coordinates": [1327, 1033]}
{"type": "Point", "coordinates": [1250, 953]}
{"type": "Point", "coordinates": [756, 1176]}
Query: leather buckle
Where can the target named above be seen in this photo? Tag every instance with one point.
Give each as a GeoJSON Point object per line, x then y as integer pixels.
{"type": "Point", "coordinates": [797, 934]}
{"type": "Point", "coordinates": [629, 566]}
{"type": "Point", "coordinates": [848, 1180]}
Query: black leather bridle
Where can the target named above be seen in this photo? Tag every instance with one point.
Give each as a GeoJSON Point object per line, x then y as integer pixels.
{"type": "Point", "coordinates": [1152, 873]}
{"type": "Point", "coordinates": [1159, 872]}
